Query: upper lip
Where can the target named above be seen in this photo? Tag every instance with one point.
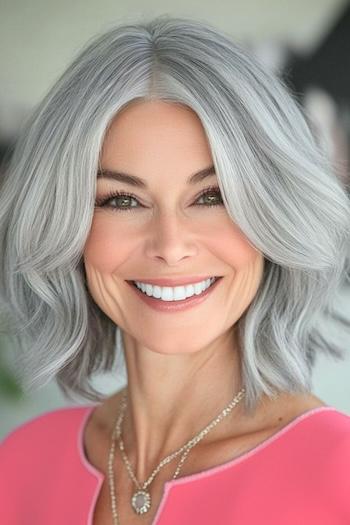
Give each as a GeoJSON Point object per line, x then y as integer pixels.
{"type": "Point", "coordinates": [175, 281]}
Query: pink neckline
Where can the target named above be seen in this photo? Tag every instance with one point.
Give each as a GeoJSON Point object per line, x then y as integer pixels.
{"type": "Point", "coordinates": [212, 470]}
{"type": "Point", "coordinates": [192, 477]}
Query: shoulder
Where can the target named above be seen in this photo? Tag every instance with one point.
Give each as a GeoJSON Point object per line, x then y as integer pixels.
{"type": "Point", "coordinates": [327, 456]}
{"type": "Point", "coordinates": [333, 442]}
{"type": "Point", "coordinates": [331, 425]}
{"type": "Point", "coordinates": [41, 465]}
{"type": "Point", "coordinates": [313, 448]}
{"type": "Point", "coordinates": [323, 430]}
{"type": "Point", "coordinates": [317, 452]}
{"type": "Point", "coordinates": [40, 434]}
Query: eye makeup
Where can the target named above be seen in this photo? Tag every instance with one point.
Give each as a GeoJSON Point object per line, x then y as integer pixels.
{"type": "Point", "coordinates": [104, 200]}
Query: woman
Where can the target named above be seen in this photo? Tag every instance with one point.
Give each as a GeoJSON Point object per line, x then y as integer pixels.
{"type": "Point", "coordinates": [169, 187]}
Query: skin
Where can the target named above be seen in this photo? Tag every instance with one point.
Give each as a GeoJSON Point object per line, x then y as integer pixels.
{"type": "Point", "coordinates": [183, 368]}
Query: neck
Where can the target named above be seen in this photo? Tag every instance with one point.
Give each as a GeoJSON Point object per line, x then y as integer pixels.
{"type": "Point", "coordinates": [171, 398]}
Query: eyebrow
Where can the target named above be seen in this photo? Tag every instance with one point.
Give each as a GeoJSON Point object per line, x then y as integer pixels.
{"type": "Point", "coordinates": [141, 183]}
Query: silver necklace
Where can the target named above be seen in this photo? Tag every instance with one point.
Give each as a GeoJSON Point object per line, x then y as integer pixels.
{"type": "Point", "coordinates": [141, 499]}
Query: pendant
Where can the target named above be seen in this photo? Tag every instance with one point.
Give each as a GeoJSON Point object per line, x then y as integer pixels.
{"type": "Point", "coordinates": [141, 502]}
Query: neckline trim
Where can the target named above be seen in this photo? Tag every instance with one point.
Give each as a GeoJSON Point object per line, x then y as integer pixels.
{"type": "Point", "coordinates": [207, 472]}
{"type": "Point", "coordinates": [80, 443]}
{"type": "Point", "coordinates": [253, 451]}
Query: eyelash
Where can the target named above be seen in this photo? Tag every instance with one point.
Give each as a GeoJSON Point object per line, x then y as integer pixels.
{"type": "Point", "coordinates": [102, 201]}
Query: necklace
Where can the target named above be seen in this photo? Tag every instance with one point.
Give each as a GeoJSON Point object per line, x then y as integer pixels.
{"type": "Point", "coordinates": [141, 500]}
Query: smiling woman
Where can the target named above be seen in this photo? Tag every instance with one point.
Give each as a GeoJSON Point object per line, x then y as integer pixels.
{"type": "Point", "coordinates": [168, 194]}
{"type": "Point", "coordinates": [177, 230]}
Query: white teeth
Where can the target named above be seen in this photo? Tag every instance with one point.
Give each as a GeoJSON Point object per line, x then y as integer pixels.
{"type": "Point", "coordinates": [176, 293]}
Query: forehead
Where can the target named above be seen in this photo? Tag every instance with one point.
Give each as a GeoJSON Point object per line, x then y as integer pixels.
{"type": "Point", "coordinates": [155, 111]}
{"type": "Point", "coordinates": [158, 124]}
{"type": "Point", "coordinates": [147, 138]}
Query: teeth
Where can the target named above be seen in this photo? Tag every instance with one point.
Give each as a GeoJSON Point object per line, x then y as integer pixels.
{"type": "Point", "coordinates": [176, 293]}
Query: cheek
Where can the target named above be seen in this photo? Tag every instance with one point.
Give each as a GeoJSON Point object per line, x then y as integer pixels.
{"type": "Point", "coordinates": [105, 248]}
{"type": "Point", "coordinates": [232, 246]}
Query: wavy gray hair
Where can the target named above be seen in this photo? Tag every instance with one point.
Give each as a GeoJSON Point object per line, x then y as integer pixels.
{"type": "Point", "coordinates": [276, 184]}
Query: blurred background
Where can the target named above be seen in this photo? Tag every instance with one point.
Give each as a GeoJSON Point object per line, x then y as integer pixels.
{"type": "Point", "coordinates": [306, 42]}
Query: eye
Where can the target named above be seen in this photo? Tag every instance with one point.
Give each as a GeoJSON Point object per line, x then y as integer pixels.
{"type": "Point", "coordinates": [213, 194]}
{"type": "Point", "coordinates": [123, 200]}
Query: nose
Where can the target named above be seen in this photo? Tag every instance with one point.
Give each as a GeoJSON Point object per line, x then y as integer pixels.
{"type": "Point", "coordinates": [171, 239]}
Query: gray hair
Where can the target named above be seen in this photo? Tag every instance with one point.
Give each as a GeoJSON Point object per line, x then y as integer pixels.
{"type": "Point", "coordinates": [277, 186]}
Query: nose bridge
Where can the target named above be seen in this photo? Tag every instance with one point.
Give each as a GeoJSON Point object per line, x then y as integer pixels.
{"type": "Point", "coordinates": [169, 222]}
{"type": "Point", "coordinates": [171, 235]}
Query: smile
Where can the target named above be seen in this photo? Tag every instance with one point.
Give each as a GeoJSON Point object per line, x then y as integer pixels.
{"type": "Point", "coordinates": [175, 293]}
{"type": "Point", "coordinates": [177, 298]}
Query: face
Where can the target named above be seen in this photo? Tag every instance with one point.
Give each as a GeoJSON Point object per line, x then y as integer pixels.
{"type": "Point", "coordinates": [167, 228]}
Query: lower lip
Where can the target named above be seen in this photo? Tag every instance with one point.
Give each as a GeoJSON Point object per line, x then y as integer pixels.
{"type": "Point", "coordinates": [174, 306]}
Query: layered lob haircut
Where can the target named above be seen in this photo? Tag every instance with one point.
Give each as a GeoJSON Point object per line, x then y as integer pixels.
{"type": "Point", "coordinates": [277, 186]}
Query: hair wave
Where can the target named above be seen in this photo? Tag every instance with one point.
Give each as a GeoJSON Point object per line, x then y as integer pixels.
{"type": "Point", "coordinates": [277, 186]}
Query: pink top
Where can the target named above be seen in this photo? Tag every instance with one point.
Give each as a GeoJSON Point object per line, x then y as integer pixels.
{"type": "Point", "coordinates": [299, 475]}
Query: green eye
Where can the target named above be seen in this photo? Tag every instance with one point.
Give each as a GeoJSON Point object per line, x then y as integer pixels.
{"type": "Point", "coordinates": [213, 196]}
{"type": "Point", "coordinates": [122, 199]}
